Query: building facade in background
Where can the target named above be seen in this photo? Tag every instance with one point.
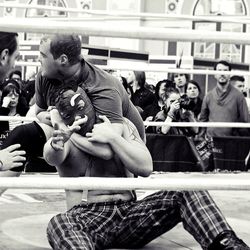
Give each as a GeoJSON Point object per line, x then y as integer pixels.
{"type": "Point", "coordinates": [203, 54]}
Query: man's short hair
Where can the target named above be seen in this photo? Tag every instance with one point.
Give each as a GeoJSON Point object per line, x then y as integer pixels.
{"type": "Point", "coordinates": [15, 72]}
{"type": "Point", "coordinates": [223, 62]}
{"type": "Point", "coordinates": [8, 41]}
{"type": "Point", "coordinates": [70, 45]}
{"type": "Point", "coordinates": [237, 78]}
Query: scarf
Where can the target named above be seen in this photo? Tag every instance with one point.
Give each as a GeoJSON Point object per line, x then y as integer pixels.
{"type": "Point", "coordinates": [220, 96]}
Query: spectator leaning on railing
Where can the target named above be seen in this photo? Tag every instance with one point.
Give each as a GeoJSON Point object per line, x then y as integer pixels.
{"type": "Point", "coordinates": [175, 110]}
{"type": "Point", "coordinates": [153, 108]}
{"type": "Point", "coordinates": [12, 104]}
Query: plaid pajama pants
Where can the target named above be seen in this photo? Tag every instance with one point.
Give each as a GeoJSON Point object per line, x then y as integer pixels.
{"type": "Point", "coordinates": [133, 224]}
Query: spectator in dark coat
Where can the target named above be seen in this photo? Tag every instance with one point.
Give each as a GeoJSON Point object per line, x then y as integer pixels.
{"type": "Point", "coordinates": [193, 91]}
{"type": "Point", "coordinates": [142, 96]}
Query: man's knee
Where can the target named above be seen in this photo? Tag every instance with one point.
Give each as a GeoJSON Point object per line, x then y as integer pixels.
{"type": "Point", "coordinates": [52, 231]}
{"type": "Point", "coordinates": [64, 234]}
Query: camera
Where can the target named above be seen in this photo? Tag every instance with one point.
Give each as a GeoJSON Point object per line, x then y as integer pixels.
{"type": "Point", "coordinates": [187, 103]}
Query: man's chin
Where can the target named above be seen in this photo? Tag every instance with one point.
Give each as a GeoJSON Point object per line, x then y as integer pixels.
{"type": "Point", "coordinates": [43, 74]}
{"type": "Point", "coordinates": [223, 83]}
{"type": "Point", "coordinates": [180, 85]}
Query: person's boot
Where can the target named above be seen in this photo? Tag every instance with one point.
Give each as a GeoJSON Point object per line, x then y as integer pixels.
{"type": "Point", "coordinates": [228, 241]}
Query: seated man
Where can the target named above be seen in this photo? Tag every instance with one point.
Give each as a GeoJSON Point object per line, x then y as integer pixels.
{"type": "Point", "coordinates": [114, 218]}
{"type": "Point", "coordinates": [72, 105]}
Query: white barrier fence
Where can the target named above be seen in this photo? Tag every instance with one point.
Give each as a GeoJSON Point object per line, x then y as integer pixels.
{"type": "Point", "coordinates": [155, 68]}
{"type": "Point", "coordinates": [172, 124]}
{"type": "Point", "coordinates": [18, 118]}
{"type": "Point", "coordinates": [131, 32]}
{"type": "Point", "coordinates": [170, 181]}
{"type": "Point", "coordinates": [235, 19]}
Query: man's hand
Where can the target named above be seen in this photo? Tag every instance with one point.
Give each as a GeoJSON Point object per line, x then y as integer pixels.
{"type": "Point", "coordinates": [61, 136]}
{"type": "Point", "coordinates": [11, 157]}
{"type": "Point", "coordinates": [54, 115]}
{"type": "Point", "coordinates": [174, 106]}
{"type": "Point", "coordinates": [102, 132]}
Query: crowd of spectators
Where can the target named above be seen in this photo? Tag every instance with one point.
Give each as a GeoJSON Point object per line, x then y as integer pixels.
{"type": "Point", "coordinates": [175, 99]}
{"type": "Point", "coordinates": [227, 102]}
{"type": "Point", "coordinates": [178, 98]}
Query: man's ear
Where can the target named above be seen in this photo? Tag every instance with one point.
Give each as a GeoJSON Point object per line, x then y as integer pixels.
{"type": "Point", "coordinates": [63, 59]}
{"type": "Point", "coordinates": [4, 56]}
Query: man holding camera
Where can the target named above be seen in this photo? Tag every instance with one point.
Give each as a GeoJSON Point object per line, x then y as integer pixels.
{"type": "Point", "coordinates": [176, 109]}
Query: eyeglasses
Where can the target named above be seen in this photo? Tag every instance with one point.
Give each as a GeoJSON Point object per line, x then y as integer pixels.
{"type": "Point", "coordinates": [11, 94]}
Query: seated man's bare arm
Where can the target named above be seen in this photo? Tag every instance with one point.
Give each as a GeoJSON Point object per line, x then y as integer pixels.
{"type": "Point", "coordinates": [129, 147]}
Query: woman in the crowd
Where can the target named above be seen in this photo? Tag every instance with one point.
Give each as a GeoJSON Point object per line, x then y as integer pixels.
{"type": "Point", "coordinates": [174, 112]}
{"type": "Point", "coordinates": [130, 91]}
{"type": "Point", "coordinates": [142, 96]}
{"type": "Point", "coordinates": [152, 109]}
{"type": "Point", "coordinates": [193, 92]}
{"type": "Point", "coordinates": [128, 87]}
{"type": "Point", "coordinates": [180, 81]}
{"type": "Point", "coordinates": [11, 105]}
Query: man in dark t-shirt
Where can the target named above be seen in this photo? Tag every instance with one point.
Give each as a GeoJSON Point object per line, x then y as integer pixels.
{"type": "Point", "coordinates": [105, 92]}
{"type": "Point", "coordinates": [63, 66]}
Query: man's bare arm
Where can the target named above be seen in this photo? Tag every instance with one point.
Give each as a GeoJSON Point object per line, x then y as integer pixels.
{"type": "Point", "coordinates": [43, 115]}
{"type": "Point", "coordinates": [97, 149]}
{"type": "Point", "coordinates": [129, 147]}
{"type": "Point", "coordinates": [57, 148]}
